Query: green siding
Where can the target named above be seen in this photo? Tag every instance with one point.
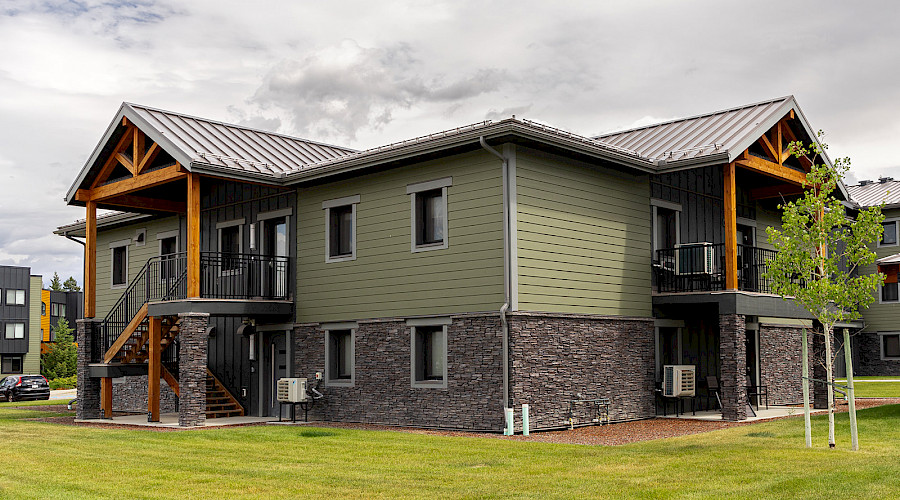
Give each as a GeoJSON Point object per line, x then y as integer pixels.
{"type": "Point", "coordinates": [387, 279]}
{"type": "Point", "coordinates": [137, 256]}
{"type": "Point", "coordinates": [31, 363]}
{"type": "Point", "coordinates": [882, 317]}
{"type": "Point", "coordinates": [583, 237]}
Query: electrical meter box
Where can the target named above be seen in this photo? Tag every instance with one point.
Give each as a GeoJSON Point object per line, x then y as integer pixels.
{"type": "Point", "coordinates": [291, 390]}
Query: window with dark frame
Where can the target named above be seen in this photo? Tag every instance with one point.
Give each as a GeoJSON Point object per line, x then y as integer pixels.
{"type": "Point", "coordinates": [340, 351]}
{"type": "Point", "coordinates": [119, 266]}
{"type": "Point", "coordinates": [431, 355]}
{"type": "Point", "coordinates": [230, 245]}
{"type": "Point", "coordinates": [11, 364]}
{"type": "Point", "coordinates": [15, 331]}
{"type": "Point", "coordinates": [889, 236]}
{"type": "Point", "coordinates": [430, 217]}
{"type": "Point", "coordinates": [15, 297]}
{"type": "Point", "coordinates": [168, 247]}
{"type": "Point", "coordinates": [889, 290]}
{"type": "Point", "coordinates": [340, 231]}
{"type": "Point", "coordinates": [891, 345]}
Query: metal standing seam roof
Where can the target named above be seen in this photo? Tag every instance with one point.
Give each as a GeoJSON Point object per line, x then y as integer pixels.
{"type": "Point", "coordinates": [235, 147]}
{"type": "Point", "coordinates": [875, 193]}
{"type": "Point", "coordinates": [702, 135]}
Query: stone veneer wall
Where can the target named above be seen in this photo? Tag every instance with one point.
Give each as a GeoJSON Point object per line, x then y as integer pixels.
{"type": "Point", "coordinates": [88, 389]}
{"type": "Point", "coordinates": [733, 380]}
{"type": "Point", "coordinates": [192, 362]}
{"type": "Point", "coordinates": [780, 364]}
{"type": "Point", "coordinates": [556, 357]}
{"type": "Point", "coordinates": [382, 391]}
{"type": "Point", "coordinates": [130, 395]}
{"type": "Point", "coordinates": [868, 354]}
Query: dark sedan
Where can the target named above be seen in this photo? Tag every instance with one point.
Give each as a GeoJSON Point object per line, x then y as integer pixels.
{"type": "Point", "coordinates": [24, 387]}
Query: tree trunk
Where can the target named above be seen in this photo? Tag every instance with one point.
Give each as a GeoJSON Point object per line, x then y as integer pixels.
{"type": "Point", "coordinates": [829, 379]}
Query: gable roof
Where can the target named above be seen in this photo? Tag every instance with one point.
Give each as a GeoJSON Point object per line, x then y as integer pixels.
{"type": "Point", "coordinates": [885, 190]}
{"type": "Point", "coordinates": [716, 137]}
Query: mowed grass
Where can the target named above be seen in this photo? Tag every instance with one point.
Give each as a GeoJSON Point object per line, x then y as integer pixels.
{"type": "Point", "coordinates": [766, 460]}
{"type": "Point", "coordinates": [868, 387]}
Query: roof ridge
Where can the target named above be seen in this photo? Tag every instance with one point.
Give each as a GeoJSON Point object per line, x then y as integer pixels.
{"type": "Point", "coordinates": [694, 117]}
{"type": "Point", "coordinates": [242, 127]}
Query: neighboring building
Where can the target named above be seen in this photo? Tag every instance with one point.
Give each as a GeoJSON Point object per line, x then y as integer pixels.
{"type": "Point", "coordinates": [56, 305]}
{"type": "Point", "coordinates": [435, 281]}
{"type": "Point", "coordinates": [876, 347]}
{"type": "Point", "coordinates": [20, 313]}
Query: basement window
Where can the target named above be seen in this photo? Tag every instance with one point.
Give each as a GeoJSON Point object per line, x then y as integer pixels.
{"type": "Point", "coordinates": [890, 345]}
{"type": "Point", "coordinates": [340, 355]}
{"type": "Point", "coordinates": [428, 348]}
{"type": "Point", "coordinates": [11, 364]}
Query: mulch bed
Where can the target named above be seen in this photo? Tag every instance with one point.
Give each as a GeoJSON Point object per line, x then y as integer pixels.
{"type": "Point", "coordinates": [606, 435]}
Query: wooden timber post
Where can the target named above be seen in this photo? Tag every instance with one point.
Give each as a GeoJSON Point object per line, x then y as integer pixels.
{"type": "Point", "coordinates": [193, 236]}
{"type": "Point", "coordinates": [730, 206]}
{"type": "Point", "coordinates": [106, 396]}
{"type": "Point", "coordinates": [90, 260]}
{"type": "Point", "coordinates": [154, 368]}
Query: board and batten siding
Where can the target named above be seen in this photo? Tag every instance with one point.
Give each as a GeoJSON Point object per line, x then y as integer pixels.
{"type": "Point", "coordinates": [137, 256]}
{"type": "Point", "coordinates": [583, 237]}
{"type": "Point", "coordinates": [882, 317]}
{"type": "Point", "coordinates": [387, 279]}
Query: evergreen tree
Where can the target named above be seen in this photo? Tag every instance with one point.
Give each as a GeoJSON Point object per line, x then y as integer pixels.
{"type": "Point", "coordinates": [55, 284]}
{"type": "Point", "coordinates": [60, 360]}
{"type": "Point", "coordinates": [71, 285]}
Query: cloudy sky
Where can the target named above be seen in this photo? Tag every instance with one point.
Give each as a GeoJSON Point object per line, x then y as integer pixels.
{"type": "Point", "coordinates": [361, 74]}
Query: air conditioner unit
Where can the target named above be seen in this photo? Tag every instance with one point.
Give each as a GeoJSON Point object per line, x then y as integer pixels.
{"type": "Point", "coordinates": [679, 381]}
{"type": "Point", "coordinates": [291, 390]}
{"type": "Point", "coordinates": [694, 258]}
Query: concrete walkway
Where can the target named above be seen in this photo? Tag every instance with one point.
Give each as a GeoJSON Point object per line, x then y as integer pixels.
{"type": "Point", "coordinates": [170, 420]}
{"type": "Point", "coordinates": [761, 414]}
{"type": "Point", "coordinates": [65, 394]}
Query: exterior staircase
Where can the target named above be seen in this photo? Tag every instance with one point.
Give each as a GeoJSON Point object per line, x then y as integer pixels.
{"type": "Point", "coordinates": [220, 402]}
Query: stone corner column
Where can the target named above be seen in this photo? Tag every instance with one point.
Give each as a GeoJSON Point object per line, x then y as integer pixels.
{"type": "Point", "coordinates": [192, 362]}
{"type": "Point", "coordinates": [733, 353]}
{"type": "Point", "coordinates": [88, 389]}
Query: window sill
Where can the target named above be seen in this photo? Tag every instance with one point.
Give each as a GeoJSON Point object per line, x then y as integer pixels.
{"type": "Point", "coordinates": [118, 287]}
{"type": "Point", "coordinates": [340, 258]}
{"type": "Point", "coordinates": [429, 384]}
{"type": "Point", "coordinates": [431, 246]}
{"type": "Point", "coordinates": [339, 383]}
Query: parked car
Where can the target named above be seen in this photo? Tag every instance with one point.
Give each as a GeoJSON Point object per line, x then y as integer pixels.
{"type": "Point", "coordinates": [24, 387]}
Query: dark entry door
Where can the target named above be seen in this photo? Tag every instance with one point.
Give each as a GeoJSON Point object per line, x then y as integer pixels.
{"type": "Point", "coordinates": [752, 359]}
{"type": "Point", "coordinates": [275, 253]}
{"type": "Point", "coordinates": [275, 368]}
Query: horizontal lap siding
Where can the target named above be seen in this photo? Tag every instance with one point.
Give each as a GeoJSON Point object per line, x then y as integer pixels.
{"type": "Point", "coordinates": [766, 218]}
{"type": "Point", "coordinates": [882, 317]}
{"type": "Point", "coordinates": [387, 279]}
{"type": "Point", "coordinates": [583, 237]}
{"type": "Point", "coordinates": [137, 256]}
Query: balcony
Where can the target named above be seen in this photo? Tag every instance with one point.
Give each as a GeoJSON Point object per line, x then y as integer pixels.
{"type": "Point", "coordinates": [700, 267]}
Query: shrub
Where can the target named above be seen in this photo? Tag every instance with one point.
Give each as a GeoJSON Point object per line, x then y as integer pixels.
{"type": "Point", "coordinates": [63, 383]}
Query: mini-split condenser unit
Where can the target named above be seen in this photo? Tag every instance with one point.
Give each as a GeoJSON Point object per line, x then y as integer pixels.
{"type": "Point", "coordinates": [679, 381]}
{"type": "Point", "coordinates": [291, 390]}
{"type": "Point", "coordinates": [694, 258]}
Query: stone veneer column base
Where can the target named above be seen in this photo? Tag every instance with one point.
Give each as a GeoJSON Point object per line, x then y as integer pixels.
{"type": "Point", "coordinates": [192, 362]}
{"type": "Point", "coordinates": [88, 389]}
{"type": "Point", "coordinates": [733, 351]}
{"type": "Point", "coordinates": [780, 363]}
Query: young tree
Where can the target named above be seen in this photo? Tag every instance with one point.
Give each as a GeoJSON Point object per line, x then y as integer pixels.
{"type": "Point", "coordinates": [55, 284]}
{"type": "Point", "coordinates": [819, 250]}
{"type": "Point", "coordinates": [60, 360]}
{"type": "Point", "coordinates": [71, 285]}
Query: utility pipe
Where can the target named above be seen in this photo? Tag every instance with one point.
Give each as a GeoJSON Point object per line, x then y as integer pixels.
{"type": "Point", "coordinates": [506, 272]}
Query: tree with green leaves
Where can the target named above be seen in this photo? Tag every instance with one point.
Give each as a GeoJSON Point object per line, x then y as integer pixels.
{"type": "Point", "coordinates": [55, 284]}
{"type": "Point", "coordinates": [61, 358]}
{"type": "Point", "coordinates": [71, 285]}
{"type": "Point", "coordinates": [819, 250]}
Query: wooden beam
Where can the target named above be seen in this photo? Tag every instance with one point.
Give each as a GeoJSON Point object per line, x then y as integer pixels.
{"type": "Point", "coordinates": [779, 141]}
{"type": "Point", "coordinates": [131, 201]}
{"type": "Point", "coordinates": [149, 157]}
{"type": "Point", "coordinates": [106, 388]}
{"type": "Point", "coordinates": [138, 149]}
{"type": "Point", "coordinates": [730, 205]}
{"type": "Point", "coordinates": [776, 191]}
{"type": "Point", "coordinates": [153, 369]}
{"type": "Point", "coordinates": [123, 337]}
{"type": "Point", "coordinates": [128, 186]}
{"type": "Point", "coordinates": [126, 163]}
{"type": "Point", "coordinates": [90, 260]}
{"type": "Point", "coordinates": [764, 142]}
{"type": "Point", "coordinates": [124, 121]}
{"type": "Point", "coordinates": [771, 169]}
{"type": "Point", "coordinates": [170, 380]}
{"type": "Point", "coordinates": [193, 236]}
{"type": "Point", "coordinates": [112, 161]}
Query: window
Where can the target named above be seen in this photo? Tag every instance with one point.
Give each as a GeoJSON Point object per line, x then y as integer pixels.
{"type": "Point", "coordinates": [428, 345]}
{"type": "Point", "coordinates": [340, 347]}
{"type": "Point", "coordinates": [15, 297]}
{"type": "Point", "coordinates": [666, 231]}
{"type": "Point", "coordinates": [890, 345]}
{"type": "Point", "coordinates": [11, 364]}
{"type": "Point", "coordinates": [889, 290]}
{"type": "Point", "coordinates": [15, 331]}
{"type": "Point", "coordinates": [889, 237]}
{"type": "Point", "coordinates": [62, 310]}
{"type": "Point", "coordinates": [340, 229]}
{"type": "Point", "coordinates": [429, 214]}
{"type": "Point", "coordinates": [168, 248]}
{"type": "Point", "coordinates": [43, 308]}
{"type": "Point", "coordinates": [119, 267]}
{"type": "Point", "coordinates": [231, 244]}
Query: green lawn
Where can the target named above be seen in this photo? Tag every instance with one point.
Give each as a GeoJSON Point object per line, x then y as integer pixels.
{"type": "Point", "coordinates": [866, 389]}
{"type": "Point", "coordinates": [767, 460]}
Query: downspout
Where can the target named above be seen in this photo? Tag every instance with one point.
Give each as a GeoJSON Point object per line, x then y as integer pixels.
{"type": "Point", "coordinates": [66, 235]}
{"type": "Point", "coordinates": [506, 271]}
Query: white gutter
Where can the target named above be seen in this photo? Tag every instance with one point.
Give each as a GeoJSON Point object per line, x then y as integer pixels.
{"type": "Point", "coordinates": [507, 282]}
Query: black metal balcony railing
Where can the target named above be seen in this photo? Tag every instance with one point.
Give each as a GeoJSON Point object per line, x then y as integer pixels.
{"type": "Point", "coordinates": [700, 267]}
{"type": "Point", "coordinates": [222, 276]}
